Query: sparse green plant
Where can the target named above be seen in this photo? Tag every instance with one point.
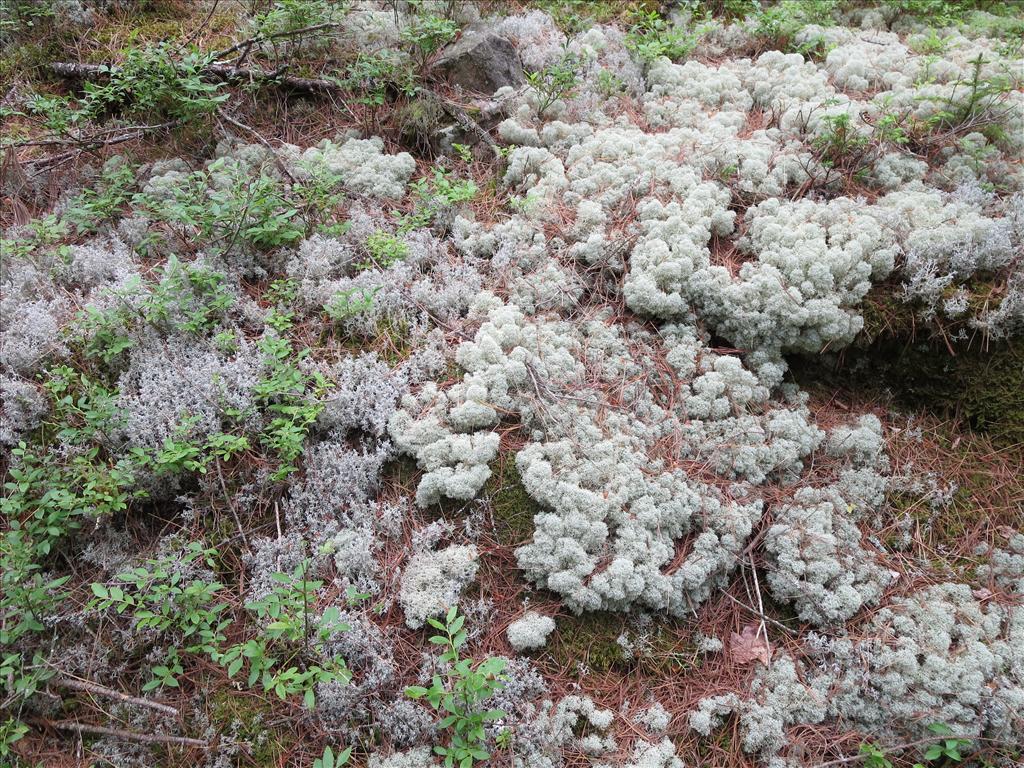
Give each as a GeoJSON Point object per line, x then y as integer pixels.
{"type": "Point", "coordinates": [38, 233]}
{"type": "Point", "coordinates": [609, 84]}
{"type": "Point", "coordinates": [98, 203]}
{"type": "Point", "coordinates": [840, 142]}
{"type": "Point", "coordinates": [776, 23]}
{"type": "Point", "coordinates": [873, 756]}
{"type": "Point", "coordinates": [462, 692]}
{"type": "Point", "coordinates": [375, 74]}
{"type": "Point", "coordinates": [292, 630]}
{"type": "Point", "coordinates": [152, 83]}
{"type": "Point", "coordinates": [160, 597]}
{"type": "Point", "coordinates": [651, 36]}
{"type": "Point", "coordinates": [292, 396]}
{"type": "Point", "coordinates": [843, 148]}
{"type": "Point", "coordinates": [426, 34]}
{"type": "Point", "coordinates": [555, 81]}
{"type": "Point", "coordinates": [349, 303]}
{"type": "Point", "coordinates": [435, 193]}
{"type": "Point", "coordinates": [463, 151]}
{"type": "Point", "coordinates": [288, 19]}
{"type": "Point", "coordinates": [384, 249]}
{"type": "Point", "coordinates": [933, 43]}
{"type": "Point", "coordinates": [11, 731]}
{"type": "Point", "coordinates": [986, 95]}
{"type": "Point", "coordinates": [331, 760]}
{"type": "Point", "coordinates": [947, 748]}
{"type": "Point", "coordinates": [228, 205]}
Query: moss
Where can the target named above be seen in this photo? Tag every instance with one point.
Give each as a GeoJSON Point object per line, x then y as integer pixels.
{"type": "Point", "coordinates": [985, 388]}
{"type": "Point", "coordinates": [512, 506]}
{"type": "Point", "coordinates": [590, 640]}
{"type": "Point", "coordinates": [27, 61]}
{"type": "Point", "coordinates": [885, 315]}
{"type": "Point", "coordinates": [981, 383]}
{"type": "Point", "coordinates": [249, 717]}
{"type": "Point", "coordinates": [419, 120]}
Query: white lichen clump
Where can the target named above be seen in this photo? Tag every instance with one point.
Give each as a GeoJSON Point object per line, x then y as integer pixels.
{"type": "Point", "coordinates": [433, 581]}
{"type": "Point", "coordinates": [530, 631]}
{"type": "Point", "coordinates": [618, 319]}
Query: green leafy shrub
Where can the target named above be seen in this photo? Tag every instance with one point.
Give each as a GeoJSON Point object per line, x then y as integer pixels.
{"type": "Point", "coordinates": [349, 303]}
{"type": "Point", "coordinates": [284, 657]}
{"type": "Point", "coordinates": [291, 630]}
{"type": "Point", "coordinates": [426, 34]}
{"type": "Point", "coordinates": [384, 249]}
{"type": "Point", "coordinates": [947, 749]}
{"type": "Point", "coordinates": [776, 23]}
{"type": "Point", "coordinates": [160, 598]}
{"type": "Point", "coordinates": [982, 107]}
{"type": "Point", "coordinates": [227, 205]}
{"type": "Point", "coordinates": [292, 397]}
{"type": "Point", "coordinates": [555, 82]}
{"type": "Point", "coordinates": [153, 83]}
{"type": "Point", "coordinates": [434, 194]}
{"type": "Point", "coordinates": [462, 693]}
{"type": "Point", "coordinates": [651, 36]}
{"type": "Point", "coordinates": [101, 202]}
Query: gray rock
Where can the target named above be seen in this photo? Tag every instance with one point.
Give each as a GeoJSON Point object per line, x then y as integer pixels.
{"type": "Point", "coordinates": [481, 62]}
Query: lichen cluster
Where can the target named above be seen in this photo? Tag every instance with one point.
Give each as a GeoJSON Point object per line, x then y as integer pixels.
{"type": "Point", "coordinates": [375, 373]}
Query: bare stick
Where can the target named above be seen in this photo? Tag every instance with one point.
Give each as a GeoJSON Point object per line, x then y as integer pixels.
{"type": "Point", "coordinates": [276, 77]}
{"type": "Point", "coordinates": [101, 690]}
{"type": "Point", "coordinates": [249, 42]}
{"type": "Point", "coordinates": [231, 505]}
{"type": "Point", "coordinates": [119, 733]}
{"type": "Point", "coordinates": [760, 608]}
{"type": "Point", "coordinates": [262, 140]}
{"type": "Point", "coordinates": [770, 620]}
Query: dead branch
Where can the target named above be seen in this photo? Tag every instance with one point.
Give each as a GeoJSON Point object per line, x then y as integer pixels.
{"type": "Point", "coordinates": [261, 139]}
{"type": "Point", "coordinates": [100, 139]}
{"type": "Point", "coordinates": [250, 42]}
{"type": "Point", "coordinates": [73, 684]}
{"type": "Point", "coordinates": [458, 114]}
{"type": "Point", "coordinates": [120, 733]}
{"type": "Point", "coordinates": [278, 78]}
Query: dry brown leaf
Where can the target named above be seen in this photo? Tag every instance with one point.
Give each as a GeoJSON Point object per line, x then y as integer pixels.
{"type": "Point", "coordinates": [748, 646]}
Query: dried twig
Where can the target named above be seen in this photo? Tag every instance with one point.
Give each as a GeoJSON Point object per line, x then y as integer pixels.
{"type": "Point", "coordinates": [120, 733]}
{"type": "Point", "coordinates": [73, 684]}
{"type": "Point", "coordinates": [769, 619]}
{"type": "Point", "coordinates": [314, 86]}
{"type": "Point", "coordinates": [250, 42]}
{"type": "Point", "coordinates": [261, 139]}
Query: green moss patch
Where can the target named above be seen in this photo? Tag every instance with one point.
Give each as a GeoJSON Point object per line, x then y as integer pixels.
{"type": "Point", "coordinates": [513, 507]}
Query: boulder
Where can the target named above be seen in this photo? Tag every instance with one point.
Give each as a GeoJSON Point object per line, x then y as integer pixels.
{"type": "Point", "coordinates": [481, 62]}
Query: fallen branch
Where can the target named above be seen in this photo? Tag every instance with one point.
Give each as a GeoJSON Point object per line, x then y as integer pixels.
{"type": "Point", "coordinates": [277, 78]}
{"type": "Point", "coordinates": [120, 733]}
{"type": "Point", "coordinates": [458, 114]}
{"type": "Point", "coordinates": [100, 139]}
{"type": "Point", "coordinates": [769, 619]}
{"type": "Point", "coordinates": [261, 139]}
{"type": "Point", "coordinates": [72, 684]}
{"type": "Point", "coordinates": [248, 43]}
